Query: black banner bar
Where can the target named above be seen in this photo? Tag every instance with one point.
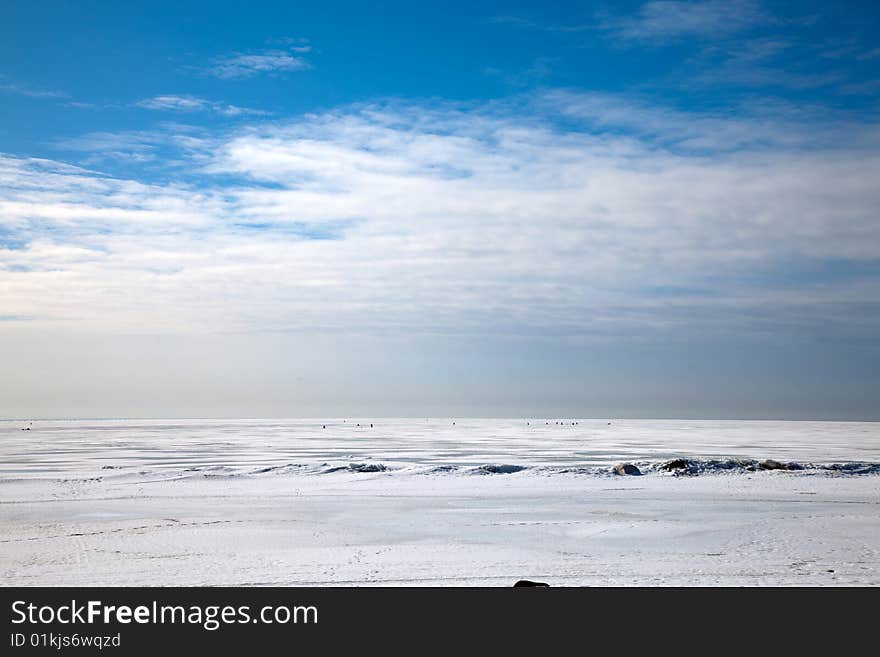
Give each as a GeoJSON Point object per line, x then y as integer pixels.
{"type": "Point", "coordinates": [123, 621]}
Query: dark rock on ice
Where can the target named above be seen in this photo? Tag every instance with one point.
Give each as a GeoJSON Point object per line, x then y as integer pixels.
{"type": "Point", "coordinates": [854, 468]}
{"type": "Point", "coordinates": [528, 582]}
{"type": "Point", "coordinates": [494, 468]}
{"type": "Point", "coordinates": [626, 469]}
{"type": "Point", "coordinates": [770, 464]}
{"type": "Point", "coordinates": [367, 467]}
{"type": "Point", "coordinates": [676, 464]}
{"type": "Point", "coordinates": [357, 467]}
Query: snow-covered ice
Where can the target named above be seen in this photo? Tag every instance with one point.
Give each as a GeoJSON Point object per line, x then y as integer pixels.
{"type": "Point", "coordinates": [428, 502]}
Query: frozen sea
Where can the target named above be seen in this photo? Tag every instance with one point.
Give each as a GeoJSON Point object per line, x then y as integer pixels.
{"type": "Point", "coordinates": [85, 447]}
{"type": "Point", "coordinates": [438, 501]}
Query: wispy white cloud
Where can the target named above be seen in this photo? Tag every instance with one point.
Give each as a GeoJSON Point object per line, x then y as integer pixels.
{"type": "Point", "coordinates": [136, 146]}
{"type": "Point", "coordinates": [293, 44]}
{"type": "Point", "coordinates": [874, 53]}
{"type": "Point", "coordinates": [167, 142]}
{"type": "Point", "coordinates": [17, 89]}
{"type": "Point", "coordinates": [864, 88]}
{"type": "Point", "coordinates": [752, 126]}
{"type": "Point", "coordinates": [170, 102]}
{"type": "Point", "coordinates": [434, 218]}
{"type": "Point", "coordinates": [660, 21]}
{"type": "Point", "coordinates": [764, 62]}
{"type": "Point", "coordinates": [81, 105]}
{"type": "Point", "coordinates": [246, 65]}
{"type": "Point", "coordinates": [527, 23]}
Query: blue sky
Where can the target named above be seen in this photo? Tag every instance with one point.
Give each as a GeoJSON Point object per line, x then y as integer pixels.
{"type": "Point", "coordinates": [636, 208]}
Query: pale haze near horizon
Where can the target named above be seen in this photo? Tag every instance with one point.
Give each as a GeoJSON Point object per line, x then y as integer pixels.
{"type": "Point", "coordinates": [279, 375]}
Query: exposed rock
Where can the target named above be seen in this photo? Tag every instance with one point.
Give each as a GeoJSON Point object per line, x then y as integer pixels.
{"type": "Point", "coordinates": [626, 469]}
{"type": "Point", "coordinates": [676, 464]}
{"type": "Point", "coordinates": [367, 467]}
{"type": "Point", "coordinates": [527, 582]}
{"type": "Point", "coordinates": [494, 468]}
{"type": "Point", "coordinates": [770, 464]}
{"type": "Point", "coordinates": [853, 468]}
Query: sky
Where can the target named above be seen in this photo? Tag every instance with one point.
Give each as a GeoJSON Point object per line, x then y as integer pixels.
{"type": "Point", "coordinates": [522, 209]}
